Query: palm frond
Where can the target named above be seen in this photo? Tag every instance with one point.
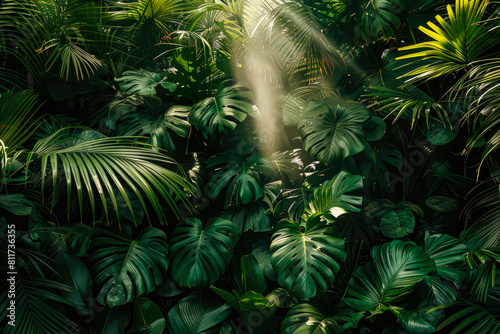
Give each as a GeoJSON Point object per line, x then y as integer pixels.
{"type": "Point", "coordinates": [100, 166]}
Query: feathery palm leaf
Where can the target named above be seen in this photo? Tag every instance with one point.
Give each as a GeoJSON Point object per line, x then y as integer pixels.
{"type": "Point", "coordinates": [457, 43]}
{"type": "Point", "coordinates": [102, 165]}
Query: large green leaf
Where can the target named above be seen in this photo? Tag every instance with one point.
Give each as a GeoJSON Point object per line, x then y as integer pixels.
{"type": "Point", "coordinates": [220, 114]}
{"type": "Point", "coordinates": [382, 17]}
{"type": "Point", "coordinates": [255, 309]}
{"type": "Point", "coordinates": [308, 319]}
{"type": "Point", "coordinates": [419, 321]}
{"type": "Point", "coordinates": [332, 130]}
{"type": "Point", "coordinates": [74, 272]}
{"type": "Point", "coordinates": [143, 82]}
{"type": "Point", "coordinates": [241, 170]}
{"type": "Point", "coordinates": [102, 166]}
{"type": "Point", "coordinates": [159, 128]}
{"type": "Point", "coordinates": [394, 269]}
{"type": "Point", "coordinates": [125, 268]}
{"type": "Point", "coordinates": [305, 258]}
{"type": "Point", "coordinates": [197, 313]}
{"type": "Point", "coordinates": [200, 254]}
{"type": "Point", "coordinates": [113, 320]}
{"type": "Point", "coordinates": [332, 195]}
{"type": "Point", "coordinates": [147, 317]}
{"type": "Point", "coordinates": [440, 134]}
{"type": "Point", "coordinates": [397, 223]}
{"type": "Point", "coordinates": [249, 217]}
{"type": "Point", "coordinates": [442, 203]}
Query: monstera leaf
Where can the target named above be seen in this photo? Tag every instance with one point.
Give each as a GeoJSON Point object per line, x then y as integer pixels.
{"type": "Point", "coordinates": [331, 196]}
{"type": "Point", "coordinates": [159, 128]}
{"type": "Point", "coordinates": [305, 258]}
{"type": "Point", "coordinates": [306, 318]}
{"type": "Point", "coordinates": [382, 17]}
{"type": "Point", "coordinates": [220, 114]}
{"type": "Point", "coordinates": [332, 130]}
{"type": "Point", "coordinates": [249, 217]}
{"type": "Point", "coordinates": [242, 168]}
{"type": "Point", "coordinates": [143, 82]}
{"type": "Point", "coordinates": [394, 269]}
{"type": "Point", "coordinates": [125, 268]}
{"type": "Point", "coordinates": [200, 254]}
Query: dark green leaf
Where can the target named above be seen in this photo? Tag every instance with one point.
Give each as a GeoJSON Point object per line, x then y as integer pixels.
{"type": "Point", "coordinates": [305, 260]}
{"type": "Point", "coordinates": [200, 254]}
{"type": "Point", "coordinates": [397, 223]}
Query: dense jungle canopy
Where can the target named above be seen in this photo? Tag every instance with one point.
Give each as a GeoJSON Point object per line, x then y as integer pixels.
{"type": "Point", "coordinates": [249, 166]}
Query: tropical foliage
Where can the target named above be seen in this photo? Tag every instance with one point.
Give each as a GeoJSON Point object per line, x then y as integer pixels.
{"type": "Point", "coordinates": [249, 166]}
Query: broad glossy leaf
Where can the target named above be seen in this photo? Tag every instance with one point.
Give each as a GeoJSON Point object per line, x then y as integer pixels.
{"type": "Point", "coordinates": [442, 203]}
{"type": "Point", "coordinates": [147, 316]}
{"type": "Point", "coordinates": [143, 82]}
{"type": "Point", "coordinates": [382, 17]}
{"type": "Point", "coordinates": [200, 254]}
{"type": "Point", "coordinates": [333, 130]}
{"type": "Point", "coordinates": [257, 311]}
{"type": "Point", "coordinates": [249, 276]}
{"type": "Point", "coordinates": [113, 320]}
{"type": "Point", "coordinates": [74, 272]}
{"type": "Point", "coordinates": [241, 168]}
{"type": "Point", "coordinates": [306, 318]}
{"type": "Point", "coordinates": [375, 128]}
{"type": "Point", "coordinates": [220, 114]}
{"type": "Point", "coordinates": [159, 127]}
{"type": "Point", "coordinates": [197, 313]}
{"type": "Point", "coordinates": [440, 134]}
{"type": "Point", "coordinates": [249, 217]}
{"type": "Point", "coordinates": [305, 259]}
{"type": "Point", "coordinates": [333, 194]}
{"type": "Point", "coordinates": [260, 250]}
{"type": "Point", "coordinates": [419, 321]}
{"type": "Point", "coordinates": [282, 298]}
{"type": "Point", "coordinates": [125, 268]}
{"type": "Point", "coordinates": [395, 267]}
{"type": "Point", "coordinates": [397, 223]}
